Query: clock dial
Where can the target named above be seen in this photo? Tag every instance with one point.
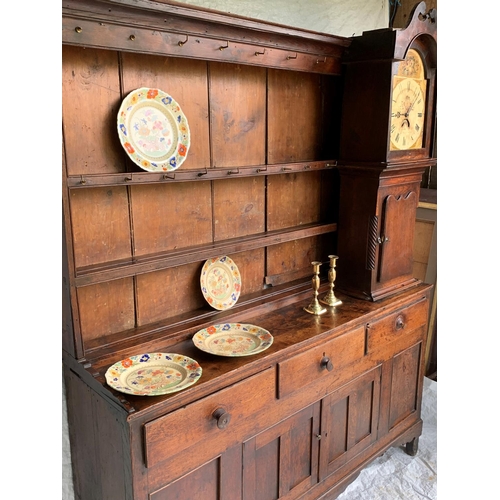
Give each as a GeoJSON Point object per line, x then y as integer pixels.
{"type": "Point", "coordinates": [407, 113]}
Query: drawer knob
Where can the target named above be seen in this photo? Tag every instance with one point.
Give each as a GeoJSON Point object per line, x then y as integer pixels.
{"type": "Point", "coordinates": [326, 362]}
{"type": "Point", "coordinates": [223, 418]}
{"type": "Point", "coordinates": [400, 324]}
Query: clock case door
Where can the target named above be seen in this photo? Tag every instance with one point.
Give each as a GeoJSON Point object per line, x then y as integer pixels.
{"type": "Point", "coordinates": [380, 188]}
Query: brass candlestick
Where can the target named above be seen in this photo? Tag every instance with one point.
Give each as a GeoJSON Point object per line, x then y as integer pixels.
{"type": "Point", "coordinates": [315, 307]}
{"type": "Point", "coordinates": [329, 299]}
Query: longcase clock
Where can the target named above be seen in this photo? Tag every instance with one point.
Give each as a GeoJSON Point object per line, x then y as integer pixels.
{"type": "Point", "coordinates": [388, 128]}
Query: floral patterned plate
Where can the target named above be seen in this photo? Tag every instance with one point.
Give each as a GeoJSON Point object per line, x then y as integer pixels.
{"type": "Point", "coordinates": [220, 282]}
{"type": "Point", "coordinates": [233, 339]}
{"type": "Point", "coordinates": [153, 374]}
{"type": "Point", "coordinates": [153, 130]}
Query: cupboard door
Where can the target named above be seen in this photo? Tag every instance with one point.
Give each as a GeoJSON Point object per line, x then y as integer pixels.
{"type": "Point", "coordinates": [282, 462]}
{"type": "Point", "coordinates": [349, 418]}
{"type": "Point", "coordinates": [397, 227]}
{"type": "Point", "coordinates": [404, 392]}
{"type": "Point", "coordinates": [217, 479]}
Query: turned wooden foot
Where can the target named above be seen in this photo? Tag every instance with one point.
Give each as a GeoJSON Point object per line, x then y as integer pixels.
{"type": "Point", "coordinates": [412, 447]}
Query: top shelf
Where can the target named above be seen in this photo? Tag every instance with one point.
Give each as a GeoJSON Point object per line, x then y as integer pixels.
{"type": "Point", "coordinates": [141, 26]}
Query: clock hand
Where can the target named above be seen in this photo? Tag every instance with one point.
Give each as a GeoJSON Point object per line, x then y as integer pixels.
{"type": "Point", "coordinates": [412, 104]}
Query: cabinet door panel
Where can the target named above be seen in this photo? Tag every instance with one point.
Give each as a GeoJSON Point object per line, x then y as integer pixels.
{"type": "Point", "coordinates": [282, 462]}
{"type": "Point", "coordinates": [218, 479]}
{"type": "Point", "coordinates": [349, 419]}
{"type": "Point", "coordinates": [404, 384]}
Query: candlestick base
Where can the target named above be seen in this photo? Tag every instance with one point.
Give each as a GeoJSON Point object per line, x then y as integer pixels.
{"type": "Point", "coordinates": [330, 300]}
{"type": "Point", "coordinates": [315, 308]}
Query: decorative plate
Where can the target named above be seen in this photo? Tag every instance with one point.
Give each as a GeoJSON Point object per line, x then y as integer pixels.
{"type": "Point", "coordinates": [220, 282]}
{"type": "Point", "coordinates": [153, 374]}
{"type": "Point", "coordinates": [233, 339]}
{"type": "Point", "coordinates": [153, 130]}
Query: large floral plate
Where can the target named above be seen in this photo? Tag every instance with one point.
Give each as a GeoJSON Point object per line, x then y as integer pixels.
{"type": "Point", "coordinates": [153, 130]}
{"type": "Point", "coordinates": [153, 374]}
{"type": "Point", "coordinates": [220, 282]}
{"type": "Point", "coordinates": [233, 339]}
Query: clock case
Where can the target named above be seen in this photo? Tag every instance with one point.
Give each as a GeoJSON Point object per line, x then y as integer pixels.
{"type": "Point", "coordinates": [375, 228]}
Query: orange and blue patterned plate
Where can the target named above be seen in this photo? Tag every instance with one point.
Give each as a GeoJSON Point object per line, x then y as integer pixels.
{"type": "Point", "coordinates": [153, 374]}
{"type": "Point", "coordinates": [220, 282]}
{"type": "Point", "coordinates": [153, 130]}
{"type": "Point", "coordinates": [233, 339]}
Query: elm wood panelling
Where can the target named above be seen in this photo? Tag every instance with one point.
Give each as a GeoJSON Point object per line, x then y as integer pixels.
{"type": "Point", "coordinates": [186, 81]}
{"type": "Point", "coordinates": [101, 225]}
{"type": "Point", "coordinates": [251, 267]}
{"type": "Point", "coordinates": [296, 199]}
{"type": "Point", "coordinates": [239, 207]}
{"type": "Point", "coordinates": [237, 114]}
{"type": "Point", "coordinates": [106, 308]}
{"type": "Point", "coordinates": [295, 114]}
{"type": "Point", "coordinates": [164, 220]}
{"type": "Point", "coordinates": [282, 462]}
{"type": "Point", "coordinates": [90, 102]}
{"type": "Point", "coordinates": [293, 200]}
{"type": "Point", "coordinates": [292, 260]}
{"type": "Point", "coordinates": [168, 293]}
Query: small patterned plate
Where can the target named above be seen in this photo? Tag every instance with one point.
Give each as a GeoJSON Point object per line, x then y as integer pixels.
{"type": "Point", "coordinates": [233, 339]}
{"type": "Point", "coordinates": [153, 130]}
{"type": "Point", "coordinates": [220, 282]}
{"type": "Point", "coordinates": [153, 374]}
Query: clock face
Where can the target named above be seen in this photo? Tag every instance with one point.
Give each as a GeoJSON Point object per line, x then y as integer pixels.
{"type": "Point", "coordinates": [407, 113]}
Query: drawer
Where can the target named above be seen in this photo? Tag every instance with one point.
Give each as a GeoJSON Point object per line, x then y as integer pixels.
{"type": "Point", "coordinates": [219, 420]}
{"type": "Point", "coordinates": [320, 362]}
{"type": "Point", "coordinates": [392, 327]}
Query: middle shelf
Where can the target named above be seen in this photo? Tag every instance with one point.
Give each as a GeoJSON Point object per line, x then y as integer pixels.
{"type": "Point", "coordinates": [148, 263]}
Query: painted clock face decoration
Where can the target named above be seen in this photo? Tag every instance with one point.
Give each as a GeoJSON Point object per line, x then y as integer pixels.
{"type": "Point", "coordinates": [408, 104]}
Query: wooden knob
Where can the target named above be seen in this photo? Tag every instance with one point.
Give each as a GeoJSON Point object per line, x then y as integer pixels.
{"type": "Point", "coordinates": [400, 323]}
{"type": "Point", "coordinates": [223, 418]}
{"type": "Point", "coordinates": [326, 362]}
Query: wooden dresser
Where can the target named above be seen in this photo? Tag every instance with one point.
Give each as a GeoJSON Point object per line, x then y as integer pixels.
{"type": "Point", "coordinates": [265, 183]}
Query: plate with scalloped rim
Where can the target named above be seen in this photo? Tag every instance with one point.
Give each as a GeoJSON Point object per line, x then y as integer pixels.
{"type": "Point", "coordinates": [153, 374]}
{"type": "Point", "coordinates": [220, 282]}
{"type": "Point", "coordinates": [153, 130]}
{"type": "Point", "coordinates": [233, 339]}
